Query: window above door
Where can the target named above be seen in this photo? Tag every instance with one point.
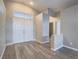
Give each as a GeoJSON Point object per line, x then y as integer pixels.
{"type": "Point", "coordinates": [22, 15]}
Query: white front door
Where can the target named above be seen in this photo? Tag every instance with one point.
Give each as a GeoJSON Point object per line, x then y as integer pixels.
{"type": "Point", "coordinates": [22, 29]}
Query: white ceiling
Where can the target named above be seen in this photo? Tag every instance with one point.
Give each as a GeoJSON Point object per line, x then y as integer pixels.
{"type": "Point", "coordinates": [55, 5]}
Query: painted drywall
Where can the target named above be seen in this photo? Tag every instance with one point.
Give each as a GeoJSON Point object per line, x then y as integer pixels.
{"type": "Point", "coordinates": [49, 12]}
{"type": "Point", "coordinates": [38, 25]}
{"type": "Point", "coordinates": [2, 27]}
{"type": "Point", "coordinates": [69, 18]}
{"type": "Point", "coordinates": [16, 7]}
{"type": "Point", "coordinates": [42, 27]}
{"type": "Point", "coordinates": [9, 10]}
{"type": "Point", "coordinates": [45, 28]}
{"type": "Point", "coordinates": [45, 25]}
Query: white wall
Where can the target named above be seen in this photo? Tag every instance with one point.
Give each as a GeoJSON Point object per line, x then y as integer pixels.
{"type": "Point", "coordinates": [45, 25]}
{"type": "Point", "coordinates": [2, 27]}
{"type": "Point", "coordinates": [42, 27]}
{"type": "Point", "coordinates": [38, 25]}
{"type": "Point", "coordinates": [45, 28]}
{"type": "Point", "coordinates": [69, 18]}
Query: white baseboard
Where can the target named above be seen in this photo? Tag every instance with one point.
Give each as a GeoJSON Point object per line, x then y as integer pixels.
{"type": "Point", "coordinates": [42, 42]}
{"type": "Point", "coordinates": [71, 48]}
{"type": "Point", "coordinates": [27, 41]}
{"type": "Point", "coordinates": [56, 48]}
{"type": "Point", "coordinates": [2, 53]}
{"type": "Point", "coordinates": [64, 46]}
{"type": "Point", "coordinates": [8, 44]}
{"type": "Point", "coordinates": [45, 42]}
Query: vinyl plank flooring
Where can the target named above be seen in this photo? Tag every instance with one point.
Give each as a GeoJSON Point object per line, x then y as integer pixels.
{"type": "Point", "coordinates": [34, 50]}
{"type": "Point", "coordinates": [9, 53]}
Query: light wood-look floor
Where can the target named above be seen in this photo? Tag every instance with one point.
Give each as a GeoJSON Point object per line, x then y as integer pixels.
{"type": "Point", "coordinates": [33, 50]}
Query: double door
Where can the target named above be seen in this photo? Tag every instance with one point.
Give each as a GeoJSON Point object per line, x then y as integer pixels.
{"type": "Point", "coordinates": [22, 30]}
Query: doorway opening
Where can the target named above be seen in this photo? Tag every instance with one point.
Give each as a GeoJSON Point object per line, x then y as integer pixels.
{"type": "Point", "coordinates": [50, 29]}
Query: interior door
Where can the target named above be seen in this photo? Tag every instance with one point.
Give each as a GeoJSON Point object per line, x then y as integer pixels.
{"type": "Point", "coordinates": [18, 30]}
